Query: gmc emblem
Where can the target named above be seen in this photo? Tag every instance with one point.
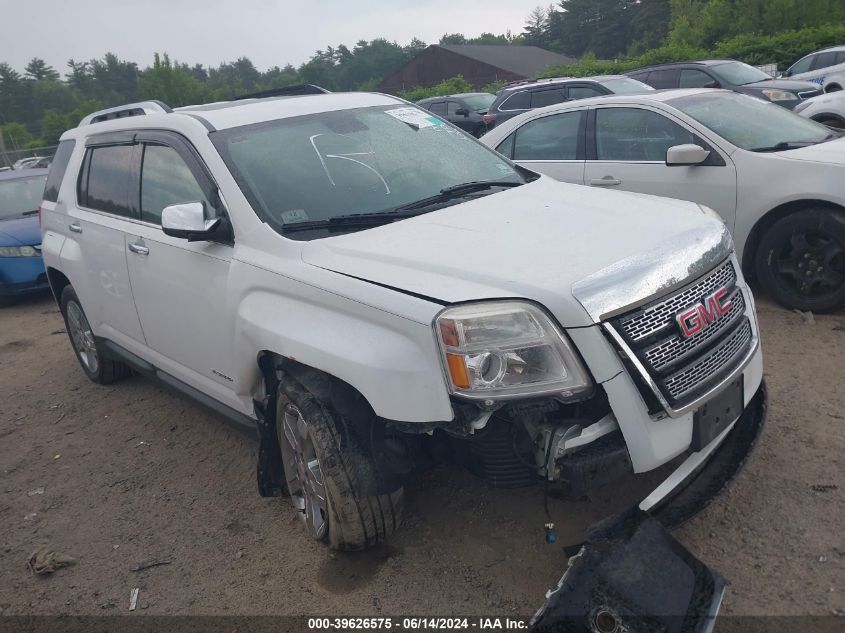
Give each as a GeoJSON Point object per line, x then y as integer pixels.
{"type": "Point", "coordinates": [702, 315]}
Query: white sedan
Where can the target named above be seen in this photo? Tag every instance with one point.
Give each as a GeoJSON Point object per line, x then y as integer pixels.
{"type": "Point", "coordinates": [776, 179]}
{"type": "Point", "coordinates": [828, 109]}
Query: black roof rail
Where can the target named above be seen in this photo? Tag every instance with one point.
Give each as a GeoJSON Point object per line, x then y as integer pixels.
{"type": "Point", "coordinates": [285, 91]}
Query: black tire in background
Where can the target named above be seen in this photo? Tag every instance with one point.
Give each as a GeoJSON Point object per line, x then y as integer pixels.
{"type": "Point", "coordinates": [800, 261]}
{"type": "Point", "coordinates": [321, 454]}
{"type": "Point", "coordinates": [96, 365]}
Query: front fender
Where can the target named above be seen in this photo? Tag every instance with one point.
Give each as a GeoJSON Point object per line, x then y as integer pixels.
{"type": "Point", "coordinates": [390, 360]}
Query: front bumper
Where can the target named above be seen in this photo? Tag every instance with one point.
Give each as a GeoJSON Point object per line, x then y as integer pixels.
{"type": "Point", "coordinates": [22, 275]}
{"type": "Point", "coordinates": [631, 575]}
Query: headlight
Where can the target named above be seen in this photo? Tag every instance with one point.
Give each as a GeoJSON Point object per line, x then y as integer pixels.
{"type": "Point", "coordinates": [17, 251]}
{"type": "Point", "coordinates": [779, 95]}
{"type": "Point", "coordinates": [507, 349]}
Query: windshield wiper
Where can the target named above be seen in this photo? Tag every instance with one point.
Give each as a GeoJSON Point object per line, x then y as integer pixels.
{"type": "Point", "coordinates": [785, 145]}
{"type": "Point", "coordinates": [412, 209]}
{"type": "Point", "coordinates": [457, 191]}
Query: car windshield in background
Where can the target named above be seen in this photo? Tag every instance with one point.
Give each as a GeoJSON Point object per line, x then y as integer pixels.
{"type": "Point", "coordinates": [20, 196]}
{"type": "Point", "coordinates": [738, 73]}
{"type": "Point", "coordinates": [751, 123]}
{"type": "Point", "coordinates": [625, 85]}
{"type": "Point", "coordinates": [480, 102]}
{"type": "Point", "coordinates": [362, 161]}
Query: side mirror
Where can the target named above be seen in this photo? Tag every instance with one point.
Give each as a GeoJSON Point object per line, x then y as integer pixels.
{"type": "Point", "coordinates": [187, 221]}
{"type": "Point", "coordinates": [462, 112]}
{"type": "Point", "coordinates": [686, 155]}
{"type": "Point", "coordinates": [712, 84]}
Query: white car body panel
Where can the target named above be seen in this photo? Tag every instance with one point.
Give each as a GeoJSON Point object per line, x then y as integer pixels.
{"type": "Point", "coordinates": [830, 78]}
{"type": "Point", "coordinates": [826, 107]}
{"type": "Point", "coordinates": [762, 183]}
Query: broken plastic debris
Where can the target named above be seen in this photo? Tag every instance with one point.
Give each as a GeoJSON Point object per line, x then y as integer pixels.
{"type": "Point", "coordinates": [46, 561]}
{"type": "Point", "coordinates": [133, 599]}
{"type": "Point", "coordinates": [37, 491]}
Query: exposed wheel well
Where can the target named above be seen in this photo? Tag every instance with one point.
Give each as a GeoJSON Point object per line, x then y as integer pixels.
{"type": "Point", "coordinates": [58, 281]}
{"type": "Point", "coordinates": [832, 88]}
{"type": "Point", "coordinates": [768, 220]}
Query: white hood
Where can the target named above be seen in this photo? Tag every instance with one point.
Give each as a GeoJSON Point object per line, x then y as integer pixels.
{"type": "Point", "coordinates": [532, 242]}
{"type": "Point", "coordinates": [831, 152]}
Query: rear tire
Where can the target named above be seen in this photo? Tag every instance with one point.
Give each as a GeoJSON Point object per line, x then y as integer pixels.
{"type": "Point", "coordinates": [800, 261]}
{"type": "Point", "coordinates": [331, 480]}
{"type": "Point", "coordinates": [89, 352]}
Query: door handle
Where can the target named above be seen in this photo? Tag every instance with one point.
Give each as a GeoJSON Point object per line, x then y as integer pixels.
{"type": "Point", "coordinates": [139, 249]}
{"type": "Point", "coordinates": [607, 181]}
{"type": "Point", "coordinates": [74, 228]}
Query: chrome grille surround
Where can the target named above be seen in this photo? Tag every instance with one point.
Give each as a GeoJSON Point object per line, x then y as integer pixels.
{"type": "Point", "coordinates": [682, 372]}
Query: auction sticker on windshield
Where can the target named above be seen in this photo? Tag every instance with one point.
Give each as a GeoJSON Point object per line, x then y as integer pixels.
{"type": "Point", "coordinates": [415, 117]}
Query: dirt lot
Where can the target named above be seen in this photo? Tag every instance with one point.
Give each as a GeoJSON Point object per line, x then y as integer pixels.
{"type": "Point", "coordinates": [131, 472]}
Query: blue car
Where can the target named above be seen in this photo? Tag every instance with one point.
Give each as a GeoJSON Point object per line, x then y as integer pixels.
{"type": "Point", "coordinates": [21, 265]}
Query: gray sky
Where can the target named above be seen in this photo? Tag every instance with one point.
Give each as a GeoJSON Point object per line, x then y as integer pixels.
{"type": "Point", "coordinates": [269, 32]}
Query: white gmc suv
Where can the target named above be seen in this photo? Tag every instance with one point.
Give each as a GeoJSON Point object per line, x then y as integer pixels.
{"type": "Point", "coordinates": [355, 278]}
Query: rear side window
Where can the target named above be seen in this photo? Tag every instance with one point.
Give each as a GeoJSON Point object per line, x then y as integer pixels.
{"type": "Point", "coordinates": [823, 60]}
{"type": "Point", "coordinates": [57, 170]}
{"type": "Point", "coordinates": [584, 92]}
{"type": "Point", "coordinates": [840, 57]}
{"type": "Point", "coordinates": [553, 137]}
{"type": "Point", "coordinates": [517, 101]}
{"type": "Point", "coordinates": [543, 98]}
{"type": "Point", "coordinates": [438, 108]}
{"type": "Point", "coordinates": [664, 78]}
{"type": "Point", "coordinates": [106, 179]}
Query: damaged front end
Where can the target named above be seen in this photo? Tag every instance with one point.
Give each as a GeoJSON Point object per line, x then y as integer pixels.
{"type": "Point", "coordinates": [630, 574]}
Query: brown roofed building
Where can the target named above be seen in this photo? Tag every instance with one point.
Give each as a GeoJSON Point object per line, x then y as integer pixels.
{"type": "Point", "coordinates": [478, 64]}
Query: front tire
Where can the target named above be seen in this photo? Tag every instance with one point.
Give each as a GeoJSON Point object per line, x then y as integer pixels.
{"type": "Point", "coordinates": [800, 261]}
{"type": "Point", "coordinates": [88, 350]}
{"type": "Point", "coordinates": [331, 481]}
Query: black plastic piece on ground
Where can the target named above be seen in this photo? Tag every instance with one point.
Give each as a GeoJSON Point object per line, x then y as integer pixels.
{"type": "Point", "coordinates": [638, 578]}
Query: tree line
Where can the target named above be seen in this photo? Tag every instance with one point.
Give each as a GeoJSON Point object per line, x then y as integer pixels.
{"type": "Point", "coordinates": [38, 104]}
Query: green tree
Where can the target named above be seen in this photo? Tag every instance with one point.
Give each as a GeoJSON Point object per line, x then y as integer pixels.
{"type": "Point", "coordinates": [38, 70]}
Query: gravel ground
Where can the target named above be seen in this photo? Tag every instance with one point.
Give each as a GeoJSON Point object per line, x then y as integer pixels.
{"type": "Point", "coordinates": [117, 475]}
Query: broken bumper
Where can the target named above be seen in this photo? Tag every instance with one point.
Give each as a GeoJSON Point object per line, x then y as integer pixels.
{"type": "Point", "coordinates": [631, 575]}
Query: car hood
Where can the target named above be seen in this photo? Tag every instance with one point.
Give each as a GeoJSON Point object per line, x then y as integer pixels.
{"type": "Point", "coordinates": [535, 242]}
{"type": "Point", "coordinates": [20, 231]}
{"type": "Point", "coordinates": [831, 152]}
{"type": "Point", "coordinates": [783, 84]}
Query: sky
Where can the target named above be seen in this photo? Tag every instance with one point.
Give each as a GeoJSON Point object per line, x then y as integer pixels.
{"type": "Point", "coordinates": [269, 32]}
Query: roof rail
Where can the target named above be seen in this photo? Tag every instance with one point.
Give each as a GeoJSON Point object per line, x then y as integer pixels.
{"type": "Point", "coordinates": [130, 109]}
{"type": "Point", "coordinates": [285, 91]}
{"type": "Point", "coordinates": [522, 82]}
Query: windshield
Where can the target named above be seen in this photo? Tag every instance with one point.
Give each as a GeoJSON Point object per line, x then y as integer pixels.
{"type": "Point", "coordinates": [357, 161]}
{"type": "Point", "coordinates": [750, 123]}
{"type": "Point", "coordinates": [738, 74]}
{"type": "Point", "coordinates": [625, 85]}
{"type": "Point", "coordinates": [20, 195]}
{"type": "Point", "coordinates": [480, 102]}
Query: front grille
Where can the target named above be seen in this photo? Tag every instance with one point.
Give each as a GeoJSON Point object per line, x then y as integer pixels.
{"type": "Point", "coordinates": [681, 367]}
{"type": "Point", "coordinates": [662, 314]}
{"type": "Point", "coordinates": [688, 378]}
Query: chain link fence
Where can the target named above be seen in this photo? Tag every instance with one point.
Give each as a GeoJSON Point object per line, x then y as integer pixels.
{"type": "Point", "coordinates": [9, 157]}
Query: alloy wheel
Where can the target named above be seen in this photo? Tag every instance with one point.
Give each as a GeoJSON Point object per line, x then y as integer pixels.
{"type": "Point", "coordinates": [302, 471]}
{"type": "Point", "coordinates": [82, 337]}
{"type": "Point", "coordinates": [811, 264]}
